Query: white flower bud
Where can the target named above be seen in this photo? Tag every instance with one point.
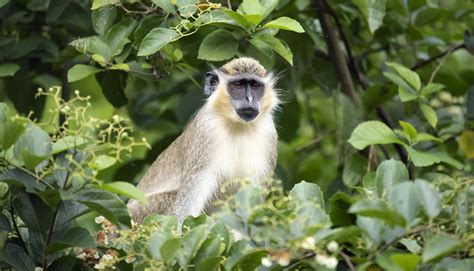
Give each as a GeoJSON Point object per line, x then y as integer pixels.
{"type": "Point", "coordinates": [331, 262]}
{"type": "Point", "coordinates": [99, 219]}
{"type": "Point", "coordinates": [332, 246]}
{"type": "Point", "coordinates": [76, 92]}
{"type": "Point", "coordinates": [266, 261]}
{"type": "Point", "coordinates": [309, 243]}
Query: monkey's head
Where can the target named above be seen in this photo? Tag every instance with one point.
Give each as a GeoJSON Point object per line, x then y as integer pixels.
{"type": "Point", "coordinates": [241, 90]}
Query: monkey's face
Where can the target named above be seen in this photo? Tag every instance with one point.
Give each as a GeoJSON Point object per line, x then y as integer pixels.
{"type": "Point", "coordinates": [245, 92]}
{"type": "Point", "coordinates": [241, 90]}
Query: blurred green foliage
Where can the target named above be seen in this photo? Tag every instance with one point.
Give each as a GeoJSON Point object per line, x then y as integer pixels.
{"type": "Point", "coordinates": [409, 64]}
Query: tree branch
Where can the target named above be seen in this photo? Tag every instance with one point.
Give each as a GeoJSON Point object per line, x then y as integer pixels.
{"type": "Point", "coordinates": [15, 226]}
{"type": "Point", "coordinates": [440, 55]}
{"type": "Point", "coordinates": [381, 113]}
{"type": "Point", "coordinates": [335, 52]}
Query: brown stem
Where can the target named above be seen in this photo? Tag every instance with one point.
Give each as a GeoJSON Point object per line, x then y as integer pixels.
{"type": "Point", "coordinates": [335, 52]}
{"type": "Point", "coordinates": [348, 261]}
{"type": "Point", "coordinates": [440, 55]}
{"type": "Point", "coordinates": [381, 113]}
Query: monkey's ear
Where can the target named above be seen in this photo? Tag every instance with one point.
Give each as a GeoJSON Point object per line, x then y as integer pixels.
{"type": "Point", "coordinates": [210, 83]}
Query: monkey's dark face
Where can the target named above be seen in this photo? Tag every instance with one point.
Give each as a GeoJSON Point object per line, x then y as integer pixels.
{"type": "Point", "coordinates": [246, 91]}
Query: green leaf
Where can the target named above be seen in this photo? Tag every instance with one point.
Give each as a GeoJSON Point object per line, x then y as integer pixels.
{"type": "Point", "coordinates": [285, 23]}
{"type": "Point", "coordinates": [165, 5]}
{"type": "Point", "coordinates": [470, 104]}
{"type": "Point", "coordinates": [103, 19]}
{"type": "Point", "coordinates": [211, 263]}
{"type": "Point", "coordinates": [373, 12]}
{"type": "Point", "coordinates": [102, 162]}
{"type": "Point", "coordinates": [8, 69]}
{"type": "Point", "coordinates": [155, 40]}
{"type": "Point", "coordinates": [16, 257]}
{"type": "Point", "coordinates": [251, 7]}
{"type": "Point", "coordinates": [305, 192]}
{"type": "Point", "coordinates": [117, 36]}
{"type": "Point", "coordinates": [278, 45]}
{"type": "Point", "coordinates": [439, 246]}
{"type": "Point", "coordinates": [218, 46]}
{"type": "Point", "coordinates": [404, 198]}
{"type": "Point", "coordinates": [169, 249]}
{"type": "Point", "coordinates": [405, 91]}
{"type": "Point", "coordinates": [249, 261]}
{"type": "Point", "coordinates": [33, 146]}
{"type": "Point", "coordinates": [81, 71]}
{"type": "Point", "coordinates": [34, 213]}
{"type": "Point", "coordinates": [125, 189]}
{"type": "Point", "coordinates": [96, 4]}
{"type": "Point", "coordinates": [74, 237]}
{"type": "Point", "coordinates": [427, 137]}
{"type": "Point", "coordinates": [190, 244]}
{"type": "Point", "coordinates": [429, 198]}
{"type": "Point", "coordinates": [19, 177]}
{"type": "Point", "coordinates": [238, 18]}
{"type": "Point", "coordinates": [3, 2]}
{"type": "Point", "coordinates": [10, 131]}
{"type": "Point", "coordinates": [377, 209]}
{"type": "Point", "coordinates": [424, 159]}
{"type": "Point", "coordinates": [411, 245]}
{"type": "Point", "coordinates": [408, 75]}
{"type": "Point", "coordinates": [68, 143]}
{"type": "Point", "coordinates": [372, 132]}
{"type": "Point", "coordinates": [113, 84]}
{"type": "Point", "coordinates": [431, 88]}
{"type": "Point", "coordinates": [211, 248]}
{"type": "Point", "coordinates": [105, 203]}
{"type": "Point", "coordinates": [390, 173]}
{"type": "Point", "coordinates": [186, 8]}
{"type": "Point", "coordinates": [56, 9]}
{"type": "Point", "coordinates": [430, 114]}
{"type": "Point", "coordinates": [409, 130]}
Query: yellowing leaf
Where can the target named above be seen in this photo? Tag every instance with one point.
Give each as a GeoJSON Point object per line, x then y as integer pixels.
{"type": "Point", "coordinates": [466, 143]}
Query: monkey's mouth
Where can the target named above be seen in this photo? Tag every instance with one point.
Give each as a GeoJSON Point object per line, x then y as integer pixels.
{"type": "Point", "coordinates": [247, 113]}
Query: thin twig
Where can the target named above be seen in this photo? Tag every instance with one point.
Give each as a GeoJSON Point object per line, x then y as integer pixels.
{"type": "Point", "coordinates": [448, 51]}
{"type": "Point", "coordinates": [436, 70]}
{"type": "Point", "coordinates": [50, 235]}
{"type": "Point", "coordinates": [15, 226]}
{"type": "Point", "coordinates": [348, 261]}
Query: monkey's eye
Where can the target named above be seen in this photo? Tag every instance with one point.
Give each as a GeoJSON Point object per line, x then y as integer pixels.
{"type": "Point", "coordinates": [238, 85]}
{"type": "Point", "coordinates": [256, 85]}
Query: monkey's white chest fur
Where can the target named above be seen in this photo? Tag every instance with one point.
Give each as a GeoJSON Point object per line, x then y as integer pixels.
{"type": "Point", "coordinates": [242, 155]}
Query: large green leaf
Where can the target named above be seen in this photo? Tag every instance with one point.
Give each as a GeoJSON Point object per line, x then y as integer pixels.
{"type": "Point", "coordinates": [278, 45]}
{"type": "Point", "coordinates": [103, 19]}
{"type": "Point", "coordinates": [117, 36]}
{"type": "Point", "coordinates": [74, 237]}
{"type": "Point", "coordinates": [16, 257]}
{"type": "Point", "coordinates": [165, 5]}
{"type": "Point", "coordinates": [424, 159]}
{"type": "Point", "coordinates": [389, 173]}
{"type": "Point", "coordinates": [218, 46]}
{"type": "Point", "coordinates": [105, 203]}
{"type": "Point", "coordinates": [405, 200]}
{"type": "Point", "coordinates": [80, 71]}
{"type": "Point", "coordinates": [373, 12]}
{"type": "Point", "coordinates": [190, 244]}
{"type": "Point", "coordinates": [238, 18]}
{"type": "Point", "coordinates": [33, 146]}
{"type": "Point", "coordinates": [19, 177]}
{"type": "Point", "coordinates": [8, 69]}
{"type": "Point", "coordinates": [155, 40]}
{"type": "Point", "coordinates": [377, 209]}
{"type": "Point", "coordinates": [285, 23]}
{"type": "Point", "coordinates": [430, 114]}
{"type": "Point", "coordinates": [113, 84]}
{"type": "Point", "coordinates": [169, 249]}
{"type": "Point", "coordinates": [405, 91]}
{"type": "Point", "coordinates": [125, 189]}
{"type": "Point", "coordinates": [305, 192]}
{"type": "Point", "coordinates": [372, 132]}
{"type": "Point", "coordinates": [408, 75]}
{"type": "Point", "coordinates": [429, 198]}
{"type": "Point", "coordinates": [10, 131]}
{"type": "Point", "coordinates": [439, 246]}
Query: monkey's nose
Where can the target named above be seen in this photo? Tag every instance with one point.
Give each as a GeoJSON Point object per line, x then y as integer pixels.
{"type": "Point", "coordinates": [247, 113]}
